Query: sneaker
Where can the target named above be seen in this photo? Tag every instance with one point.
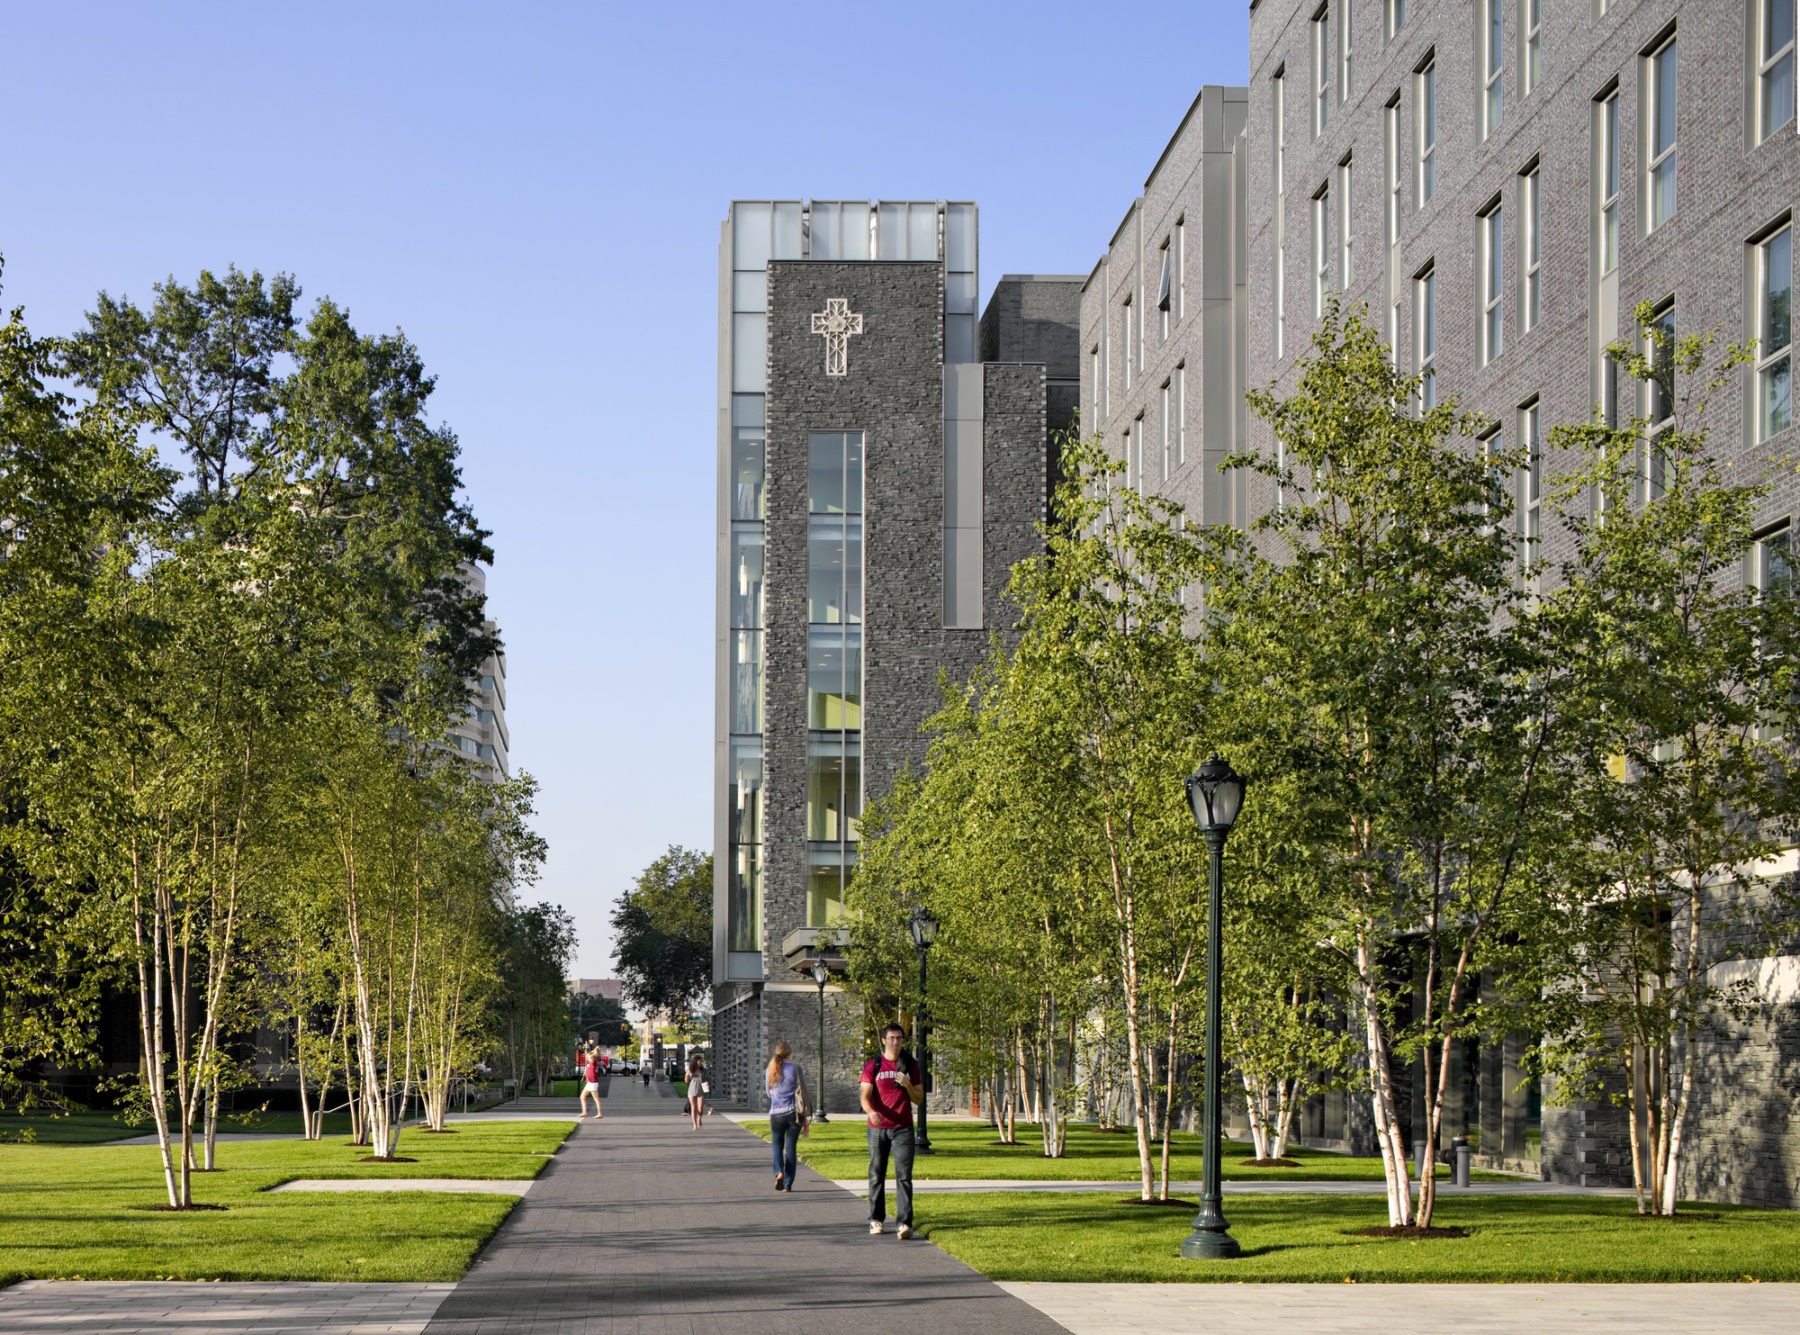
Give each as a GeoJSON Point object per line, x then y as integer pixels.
{"type": "Point", "coordinates": [779, 1184]}
{"type": "Point", "coordinates": [874, 1227]}
{"type": "Point", "coordinates": [903, 1232]}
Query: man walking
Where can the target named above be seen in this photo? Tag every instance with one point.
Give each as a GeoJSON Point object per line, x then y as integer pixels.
{"type": "Point", "coordinates": [891, 1084]}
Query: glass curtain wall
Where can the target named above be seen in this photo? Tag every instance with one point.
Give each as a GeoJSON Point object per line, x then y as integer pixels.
{"type": "Point", "coordinates": [834, 585]}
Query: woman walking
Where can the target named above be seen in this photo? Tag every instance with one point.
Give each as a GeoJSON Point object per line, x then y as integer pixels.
{"type": "Point", "coordinates": [590, 1082]}
{"type": "Point", "coordinates": [787, 1113]}
{"type": "Point", "coordinates": [697, 1089]}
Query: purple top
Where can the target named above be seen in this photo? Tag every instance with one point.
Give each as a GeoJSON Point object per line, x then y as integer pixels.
{"type": "Point", "coordinates": [782, 1089]}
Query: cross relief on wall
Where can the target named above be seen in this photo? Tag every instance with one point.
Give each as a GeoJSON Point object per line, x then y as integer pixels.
{"type": "Point", "coordinates": [837, 323]}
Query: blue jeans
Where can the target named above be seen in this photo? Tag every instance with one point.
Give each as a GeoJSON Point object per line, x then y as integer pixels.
{"type": "Point", "coordinates": [784, 1139]}
{"type": "Point", "coordinates": [897, 1141]}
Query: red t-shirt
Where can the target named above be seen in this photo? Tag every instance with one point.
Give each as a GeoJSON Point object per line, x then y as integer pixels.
{"type": "Point", "coordinates": [893, 1105]}
{"type": "Point", "coordinates": [593, 1070]}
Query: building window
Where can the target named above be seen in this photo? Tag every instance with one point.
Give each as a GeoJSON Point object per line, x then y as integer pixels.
{"type": "Point", "coordinates": [1180, 411]}
{"type": "Point", "coordinates": [1321, 249]}
{"type": "Point", "coordinates": [1493, 283]}
{"type": "Point", "coordinates": [1396, 16]}
{"type": "Point", "coordinates": [1661, 120]}
{"type": "Point", "coordinates": [1427, 97]}
{"type": "Point", "coordinates": [1532, 261]}
{"type": "Point", "coordinates": [1396, 173]}
{"type": "Point", "coordinates": [1168, 438]}
{"type": "Point", "coordinates": [1280, 218]}
{"type": "Point", "coordinates": [1659, 401]}
{"type": "Point", "coordinates": [1492, 447]}
{"type": "Point", "coordinates": [1491, 66]}
{"type": "Point", "coordinates": [1165, 296]}
{"type": "Point", "coordinates": [1425, 321]}
{"type": "Point", "coordinates": [1771, 564]}
{"type": "Point", "coordinates": [1094, 378]}
{"type": "Point", "coordinates": [1774, 64]}
{"type": "Point", "coordinates": [1345, 9]}
{"type": "Point", "coordinates": [1321, 69]}
{"type": "Point", "coordinates": [1533, 71]}
{"type": "Point", "coordinates": [1609, 182]}
{"type": "Point", "coordinates": [1180, 269]}
{"type": "Point", "coordinates": [834, 667]}
{"type": "Point", "coordinates": [1130, 328]}
{"type": "Point", "coordinates": [1774, 310]}
{"type": "Point", "coordinates": [1346, 229]}
{"type": "Point", "coordinates": [1135, 439]}
{"type": "Point", "coordinates": [1531, 491]}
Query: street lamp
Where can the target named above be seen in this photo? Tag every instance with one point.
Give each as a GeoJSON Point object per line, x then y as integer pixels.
{"type": "Point", "coordinates": [1215, 792]}
{"type": "Point", "coordinates": [821, 972]}
{"type": "Point", "coordinates": [924, 929]}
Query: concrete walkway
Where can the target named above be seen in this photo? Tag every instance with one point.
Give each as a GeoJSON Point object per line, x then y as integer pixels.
{"type": "Point", "coordinates": [646, 1226]}
{"type": "Point", "coordinates": [148, 1307]}
{"type": "Point", "coordinates": [1523, 1187]}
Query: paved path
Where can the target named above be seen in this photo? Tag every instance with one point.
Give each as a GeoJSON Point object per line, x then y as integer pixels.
{"type": "Point", "coordinates": [130, 1307]}
{"type": "Point", "coordinates": [644, 1226]}
{"type": "Point", "coordinates": [1523, 1187]}
{"type": "Point", "coordinates": [492, 1186]}
{"type": "Point", "coordinates": [1383, 1309]}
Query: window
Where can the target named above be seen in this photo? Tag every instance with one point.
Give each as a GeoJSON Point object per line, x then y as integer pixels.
{"type": "Point", "coordinates": [1533, 70]}
{"type": "Point", "coordinates": [1180, 269]}
{"type": "Point", "coordinates": [1130, 328]}
{"type": "Point", "coordinates": [1774, 333]}
{"type": "Point", "coordinates": [1493, 283]}
{"type": "Point", "coordinates": [1396, 16]}
{"type": "Point", "coordinates": [1771, 564]}
{"type": "Point", "coordinates": [1492, 448]}
{"type": "Point", "coordinates": [1345, 10]}
{"type": "Point", "coordinates": [1425, 320]}
{"type": "Point", "coordinates": [1533, 249]}
{"type": "Point", "coordinates": [1321, 68]}
{"type": "Point", "coordinates": [1427, 95]}
{"type": "Point", "coordinates": [1168, 438]}
{"type": "Point", "coordinates": [1774, 64]}
{"type": "Point", "coordinates": [1136, 437]}
{"type": "Point", "coordinates": [1661, 122]}
{"type": "Point", "coordinates": [1609, 182]}
{"type": "Point", "coordinates": [1396, 173]}
{"type": "Point", "coordinates": [1321, 249]}
{"type": "Point", "coordinates": [1094, 377]}
{"type": "Point", "coordinates": [834, 667]}
{"type": "Point", "coordinates": [1164, 295]}
{"type": "Point", "coordinates": [1531, 491]}
{"type": "Point", "coordinates": [1180, 408]}
{"type": "Point", "coordinates": [1280, 219]}
{"type": "Point", "coordinates": [1346, 232]}
{"type": "Point", "coordinates": [1491, 65]}
{"type": "Point", "coordinates": [1659, 402]}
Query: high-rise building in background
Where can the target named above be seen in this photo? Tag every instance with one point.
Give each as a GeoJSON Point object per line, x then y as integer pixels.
{"type": "Point", "coordinates": [481, 733]}
{"type": "Point", "coordinates": [877, 481]}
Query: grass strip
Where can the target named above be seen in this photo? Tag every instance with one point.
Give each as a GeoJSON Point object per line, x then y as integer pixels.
{"type": "Point", "coordinates": [1050, 1236]}
{"type": "Point", "coordinates": [964, 1150]}
{"type": "Point", "coordinates": [85, 1212]}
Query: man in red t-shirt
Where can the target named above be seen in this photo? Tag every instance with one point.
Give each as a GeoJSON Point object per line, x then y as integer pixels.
{"type": "Point", "coordinates": [891, 1084]}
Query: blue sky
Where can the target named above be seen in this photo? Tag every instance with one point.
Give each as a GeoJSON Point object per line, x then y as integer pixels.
{"type": "Point", "coordinates": [533, 193]}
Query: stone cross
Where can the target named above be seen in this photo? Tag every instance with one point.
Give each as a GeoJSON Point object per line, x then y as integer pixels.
{"type": "Point", "coordinates": [836, 323]}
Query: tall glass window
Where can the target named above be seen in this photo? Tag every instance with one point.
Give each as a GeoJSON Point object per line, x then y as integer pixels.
{"type": "Point", "coordinates": [1321, 69]}
{"type": "Point", "coordinates": [1168, 441]}
{"type": "Point", "coordinates": [1396, 16]}
{"type": "Point", "coordinates": [1531, 490]}
{"type": "Point", "coordinates": [1661, 157]}
{"type": "Point", "coordinates": [1346, 233]}
{"type": "Point", "coordinates": [1346, 11]}
{"type": "Point", "coordinates": [1774, 333]}
{"type": "Point", "coordinates": [1775, 64]}
{"type": "Point", "coordinates": [834, 668]}
{"type": "Point", "coordinates": [1425, 320]}
{"type": "Point", "coordinates": [1609, 183]}
{"type": "Point", "coordinates": [1280, 138]}
{"type": "Point", "coordinates": [1533, 257]}
{"type": "Point", "coordinates": [1533, 71]}
{"type": "Point", "coordinates": [1130, 327]}
{"type": "Point", "coordinates": [1493, 283]}
{"type": "Point", "coordinates": [1492, 64]}
{"type": "Point", "coordinates": [1659, 401]}
{"type": "Point", "coordinates": [1179, 408]}
{"type": "Point", "coordinates": [1396, 171]}
{"type": "Point", "coordinates": [1427, 95]}
{"type": "Point", "coordinates": [1321, 249]}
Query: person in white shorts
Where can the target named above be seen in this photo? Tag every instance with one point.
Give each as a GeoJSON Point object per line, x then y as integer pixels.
{"type": "Point", "coordinates": [590, 1089]}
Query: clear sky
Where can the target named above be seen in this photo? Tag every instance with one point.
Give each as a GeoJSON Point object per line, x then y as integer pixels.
{"type": "Point", "coordinates": [533, 193]}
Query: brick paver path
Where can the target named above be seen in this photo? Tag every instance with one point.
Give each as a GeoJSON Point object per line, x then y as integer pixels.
{"type": "Point", "coordinates": [151, 1307]}
{"type": "Point", "coordinates": [645, 1226]}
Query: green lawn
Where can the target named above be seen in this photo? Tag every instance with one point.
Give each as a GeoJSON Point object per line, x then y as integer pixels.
{"type": "Point", "coordinates": [69, 1212]}
{"type": "Point", "coordinates": [94, 1128]}
{"type": "Point", "coordinates": [969, 1150]}
{"type": "Point", "coordinates": [1042, 1236]}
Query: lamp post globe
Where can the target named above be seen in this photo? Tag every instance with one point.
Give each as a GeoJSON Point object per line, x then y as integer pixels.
{"type": "Point", "coordinates": [1215, 794]}
{"type": "Point", "coordinates": [923, 928]}
{"type": "Point", "coordinates": [821, 972]}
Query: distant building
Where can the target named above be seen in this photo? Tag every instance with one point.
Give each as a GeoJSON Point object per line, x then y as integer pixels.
{"type": "Point", "coordinates": [481, 733]}
{"type": "Point", "coordinates": [610, 988]}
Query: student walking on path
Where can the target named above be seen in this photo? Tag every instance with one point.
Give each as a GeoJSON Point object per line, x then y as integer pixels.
{"type": "Point", "coordinates": [891, 1084]}
{"type": "Point", "coordinates": [590, 1087]}
{"type": "Point", "coordinates": [787, 1113]}
{"type": "Point", "coordinates": [698, 1089]}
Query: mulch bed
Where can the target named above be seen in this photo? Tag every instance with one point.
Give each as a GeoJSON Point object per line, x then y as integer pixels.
{"type": "Point", "coordinates": [1406, 1231]}
{"type": "Point", "coordinates": [1172, 1203]}
{"type": "Point", "coordinates": [177, 1209]}
{"type": "Point", "coordinates": [1268, 1163]}
{"type": "Point", "coordinates": [386, 1158]}
{"type": "Point", "coordinates": [427, 1131]}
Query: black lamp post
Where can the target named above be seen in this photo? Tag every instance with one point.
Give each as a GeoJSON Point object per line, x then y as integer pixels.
{"type": "Point", "coordinates": [1214, 793]}
{"type": "Point", "coordinates": [924, 929]}
{"type": "Point", "coordinates": [821, 972]}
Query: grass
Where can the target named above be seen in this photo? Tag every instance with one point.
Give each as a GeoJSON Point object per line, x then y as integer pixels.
{"type": "Point", "coordinates": [969, 1150]}
{"type": "Point", "coordinates": [95, 1128]}
{"type": "Point", "coordinates": [1045, 1236]}
{"type": "Point", "coordinates": [78, 1212]}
